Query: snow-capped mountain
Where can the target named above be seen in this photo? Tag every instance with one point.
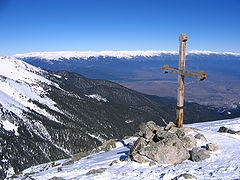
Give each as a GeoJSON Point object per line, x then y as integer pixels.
{"type": "Point", "coordinates": [21, 84]}
{"type": "Point", "coordinates": [141, 71]}
{"type": "Point", "coordinates": [47, 116]}
{"type": "Point", "coordinates": [222, 164]}
{"type": "Point", "coordinates": [59, 55]}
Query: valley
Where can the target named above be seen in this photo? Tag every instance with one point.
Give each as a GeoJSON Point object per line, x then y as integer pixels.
{"type": "Point", "coordinates": [46, 116]}
{"type": "Point", "coordinates": [141, 71]}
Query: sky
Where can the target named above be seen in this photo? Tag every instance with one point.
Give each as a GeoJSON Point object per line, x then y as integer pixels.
{"type": "Point", "coordinates": [98, 25]}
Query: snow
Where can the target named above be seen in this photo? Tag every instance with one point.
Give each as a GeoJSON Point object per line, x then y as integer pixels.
{"type": "Point", "coordinates": [8, 126]}
{"type": "Point", "coordinates": [119, 54]}
{"type": "Point", "coordinates": [211, 52]}
{"type": "Point", "coordinates": [96, 137]}
{"type": "Point", "coordinates": [223, 164]}
{"type": "Point", "coordinates": [20, 85]}
{"type": "Point", "coordinates": [84, 55]}
{"type": "Point", "coordinates": [10, 172]}
{"type": "Point", "coordinates": [97, 97]}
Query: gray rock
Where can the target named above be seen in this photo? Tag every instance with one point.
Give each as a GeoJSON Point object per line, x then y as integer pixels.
{"type": "Point", "coordinates": [180, 133]}
{"type": "Point", "coordinates": [108, 145]}
{"type": "Point", "coordinates": [189, 141]}
{"type": "Point", "coordinates": [139, 158]}
{"type": "Point", "coordinates": [161, 135]}
{"type": "Point", "coordinates": [146, 129]}
{"type": "Point", "coordinates": [201, 137]}
{"type": "Point", "coordinates": [56, 178]}
{"type": "Point", "coordinates": [173, 130]}
{"type": "Point", "coordinates": [55, 165]}
{"type": "Point", "coordinates": [185, 176]}
{"type": "Point", "coordinates": [59, 169]}
{"type": "Point", "coordinates": [78, 156]}
{"type": "Point", "coordinates": [169, 150]}
{"type": "Point", "coordinates": [187, 130]}
{"type": "Point", "coordinates": [169, 126]}
{"type": "Point", "coordinates": [226, 130]}
{"type": "Point", "coordinates": [96, 171]}
{"type": "Point", "coordinates": [138, 145]}
{"type": "Point", "coordinates": [113, 162]}
{"type": "Point", "coordinates": [212, 147]}
{"type": "Point", "coordinates": [152, 163]}
{"type": "Point", "coordinates": [199, 154]}
{"type": "Point", "coordinates": [68, 163]}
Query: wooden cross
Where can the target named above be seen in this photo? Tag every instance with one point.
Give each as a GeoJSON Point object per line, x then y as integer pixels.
{"type": "Point", "coordinates": [181, 73]}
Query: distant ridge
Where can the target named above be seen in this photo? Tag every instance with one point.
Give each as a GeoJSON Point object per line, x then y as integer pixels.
{"type": "Point", "coordinates": [118, 54]}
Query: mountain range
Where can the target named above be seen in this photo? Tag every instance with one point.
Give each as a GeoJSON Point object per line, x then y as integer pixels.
{"type": "Point", "coordinates": [48, 115]}
{"type": "Point", "coordinates": [141, 71]}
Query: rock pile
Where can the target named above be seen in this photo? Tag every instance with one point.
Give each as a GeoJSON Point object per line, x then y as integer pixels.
{"type": "Point", "coordinates": [168, 145]}
{"type": "Point", "coordinates": [227, 130]}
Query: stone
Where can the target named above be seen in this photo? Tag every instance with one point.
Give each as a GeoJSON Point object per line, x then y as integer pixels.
{"type": "Point", "coordinates": [138, 145]}
{"type": "Point", "coordinates": [113, 162]}
{"type": "Point", "coordinates": [199, 154]}
{"type": "Point", "coordinates": [185, 176]}
{"type": "Point", "coordinates": [161, 135]}
{"type": "Point", "coordinates": [78, 156]}
{"type": "Point", "coordinates": [212, 147]}
{"type": "Point", "coordinates": [151, 125]}
{"type": "Point", "coordinates": [146, 130]}
{"type": "Point", "coordinates": [189, 141]}
{"type": "Point", "coordinates": [68, 163]}
{"type": "Point", "coordinates": [56, 178]}
{"type": "Point", "coordinates": [95, 150]}
{"type": "Point", "coordinates": [138, 158]}
{"type": "Point", "coordinates": [173, 130]}
{"type": "Point", "coordinates": [170, 125]}
{"type": "Point", "coordinates": [187, 130]}
{"type": "Point", "coordinates": [180, 133]}
{"type": "Point", "coordinates": [226, 130]}
{"type": "Point", "coordinates": [152, 163]}
{"type": "Point", "coordinates": [59, 169]}
{"type": "Point", "coordinates": [108, 145]}
{"type": "Point", "coordinates": [201, 137]}
{"type": "Point", "coordinates": [169, 150]}
{"type": "Point", "coordinates": [96, 171]}
{"type": "Point", "coordinates": [54, 165]}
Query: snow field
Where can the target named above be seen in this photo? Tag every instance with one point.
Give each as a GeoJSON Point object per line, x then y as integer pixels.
{"type": "Point", "coordinates": [223, 164]}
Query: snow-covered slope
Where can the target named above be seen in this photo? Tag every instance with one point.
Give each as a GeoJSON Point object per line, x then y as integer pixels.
{"type": "Point", "coordinates": [223, 164]}
{"type": "Point", "coordinates": [20, 85]}
{"type": "Point", "coordinates": [118, 54]}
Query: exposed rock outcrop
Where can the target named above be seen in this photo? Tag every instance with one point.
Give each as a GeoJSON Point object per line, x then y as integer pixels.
{"type": "Point", "coordinates": [212, 147]}
{"type": "Point", "coordinates": [108, 145]}
{"type": "Point", "coordinates": [199, 154]}
{"type": "Point", "coordinates": [185, 176]}
{"type": "Point", "coordinates": [227, 130]}
{"type": "Point", "coordinates": [158, 145]}
{"type": "Point", "coordinates": [168, 145]}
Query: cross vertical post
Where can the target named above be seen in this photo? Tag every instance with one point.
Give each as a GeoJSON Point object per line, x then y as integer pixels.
{"type": "Point", "coordinates": [180, 97]}
{"type": "Point", "coordinates": [181, 73]}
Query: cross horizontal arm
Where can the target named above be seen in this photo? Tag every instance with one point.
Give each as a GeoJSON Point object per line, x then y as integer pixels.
{"type": "Point", "coordinates": [199, 75]}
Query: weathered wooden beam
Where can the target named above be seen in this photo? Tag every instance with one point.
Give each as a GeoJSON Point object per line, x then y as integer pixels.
{"type": "Point", "coordinates": [180, 97]}
{"type": "Point", "coordinates": [181, 74]}
{"type": "Point", "coordinates": [199, 75]}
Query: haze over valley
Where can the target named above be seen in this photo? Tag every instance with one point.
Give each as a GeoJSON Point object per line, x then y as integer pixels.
{"type": "Point", "coordinates": [141, 71]}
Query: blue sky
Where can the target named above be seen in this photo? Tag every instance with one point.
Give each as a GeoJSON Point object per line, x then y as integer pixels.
{"type": "Point", "coordinates": [82, 25]}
